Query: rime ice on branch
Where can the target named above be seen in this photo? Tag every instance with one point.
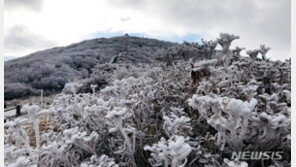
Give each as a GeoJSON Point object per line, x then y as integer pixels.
{"type": "Point", "coordinates": [263, 50]}
{"type": "Point", "coordinates": [225, 40]}
{"type": "Point", "coordinates": [253, 53]}
{"type": "Point", "coordinates": [169, 152]}
{"type": "Point", "coordinates": [140, 114]}
{"type": "Point", "coordinates": [102, 161]}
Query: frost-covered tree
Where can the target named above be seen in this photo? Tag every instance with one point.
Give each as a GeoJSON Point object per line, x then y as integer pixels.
{"type": "Point", "coordinates": [253, 54]}
{"type": "Point", "coordinates": [225, 41]}
{"type": "Point", "coordinates": [236, 52]}
{"type": "Point", "coordinates": [263, 50]}
{"type": "Point", "coordinates": [93, 88]}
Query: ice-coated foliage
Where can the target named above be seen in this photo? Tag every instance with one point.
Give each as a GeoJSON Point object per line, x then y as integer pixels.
{"type": "Point", "coordinates": [235, 163]}
{"type": "Point", "coordinates": [225, 40]}
{"type": "Point", "coordinates": [229, 116]}
{"type": "Point", "coordinates": [93, 88]}
{"type": "Point", "coordinates": [174, 125]}
{"type": "Point", "coordinates": [171, 152]}
{"type": "Point", "coordinates": [192, 106]}
{"type": "Point", "coordinates": [102, 161]}
{"type": "Point", "coordinates": [263, 50]}
{"type": "Point", "coordinates": [16, 133]}
{"type": "Point", "coordinates": [186, 51]}
{"type": "Point", "coordinates": [253, 54]}
{"type": "Point", "coordinates": [72, 87]}
{"type": "Point", "coordinates": [20, 162]}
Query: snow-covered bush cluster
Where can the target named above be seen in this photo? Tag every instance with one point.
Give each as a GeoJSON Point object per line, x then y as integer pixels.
{"type": "Point", "coordinates": [193, 106]}
{"type": "Point", "coordinates": [186, 51]}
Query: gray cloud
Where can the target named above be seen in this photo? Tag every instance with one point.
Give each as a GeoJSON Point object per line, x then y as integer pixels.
{"type": "Point", "coordinates": [125, 19]}
{"type": "Point", "coordinates": [256, 21]}
{"type": "Point", "coordinates": [19, 38]}
{"type": "Point", "coordinates": [35, 5]}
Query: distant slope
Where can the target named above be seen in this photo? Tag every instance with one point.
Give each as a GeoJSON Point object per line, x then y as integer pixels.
{"type": "Point", "coordinates": [51, 69]}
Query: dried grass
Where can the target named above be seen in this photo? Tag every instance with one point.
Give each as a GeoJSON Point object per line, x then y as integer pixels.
{"type": "Point", "coordinates": [46, 124]}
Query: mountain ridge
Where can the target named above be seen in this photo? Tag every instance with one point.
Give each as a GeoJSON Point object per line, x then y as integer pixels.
{"type": "Point", "coordinates": [50, 69]}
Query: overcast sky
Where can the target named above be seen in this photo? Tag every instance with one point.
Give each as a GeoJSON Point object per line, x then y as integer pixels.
{"type": "Point", "coordinates": [31, 25]}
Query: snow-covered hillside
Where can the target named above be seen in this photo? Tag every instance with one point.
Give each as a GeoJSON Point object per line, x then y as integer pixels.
{"type": "Point", "coordinates": [192, 105]}
{"type": "Point", "coordinates": [52, 69]}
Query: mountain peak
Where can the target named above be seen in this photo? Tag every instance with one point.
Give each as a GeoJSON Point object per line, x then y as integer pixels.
{"type": "Point", "coordinates": [50, 69]}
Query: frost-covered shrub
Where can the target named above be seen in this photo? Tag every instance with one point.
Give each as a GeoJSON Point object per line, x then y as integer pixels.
{"type": "Point", "coordinates": [263, 50]}
{"type": "Point", "coordinates": [253, 54]}
{"type": "Point", "coordinates": [69, 147]}
{"type": "Point", "coordinates": [72, 87]}
{"type": "Point", "coordinates": [182, 111]}
{"type": "Point", "coordinates": [229, 116]}
{"type": "Point", "coordinates": [186, 51]}
{"type": "Point", "coordinates": [50, 83]}
{"type": "Point", "coordinates": [171, 152]}
{"type": "Point", "coordinates": [116, 117]}
{"type": "Point", "coordinates": [236, 53]}
{"type": "Point", "coordinates": [237, 50]}
{"type": "Point", "coordinates": [16, 133]}
{"type": "Point", "coordinates": [258, 86]}
{"type": "Point", "coordinates": [17, 89]}
{"type": "Point", "coordinates": [127, 96]}
{"type": "Point", "coordinates": [225, 40]}
{"type": "Point", "coordinates": [105, 74]}
{"type": "Point", "coordinates": [174, 125]}
{"type": "Point", "coordinates": [235, 163]}
{"type": "Point", "coordinates": [20, 162]}
{"type": "Point", "coordinates": [102, 161]}
{"type": "Point", "coordinates": [93, 88]}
